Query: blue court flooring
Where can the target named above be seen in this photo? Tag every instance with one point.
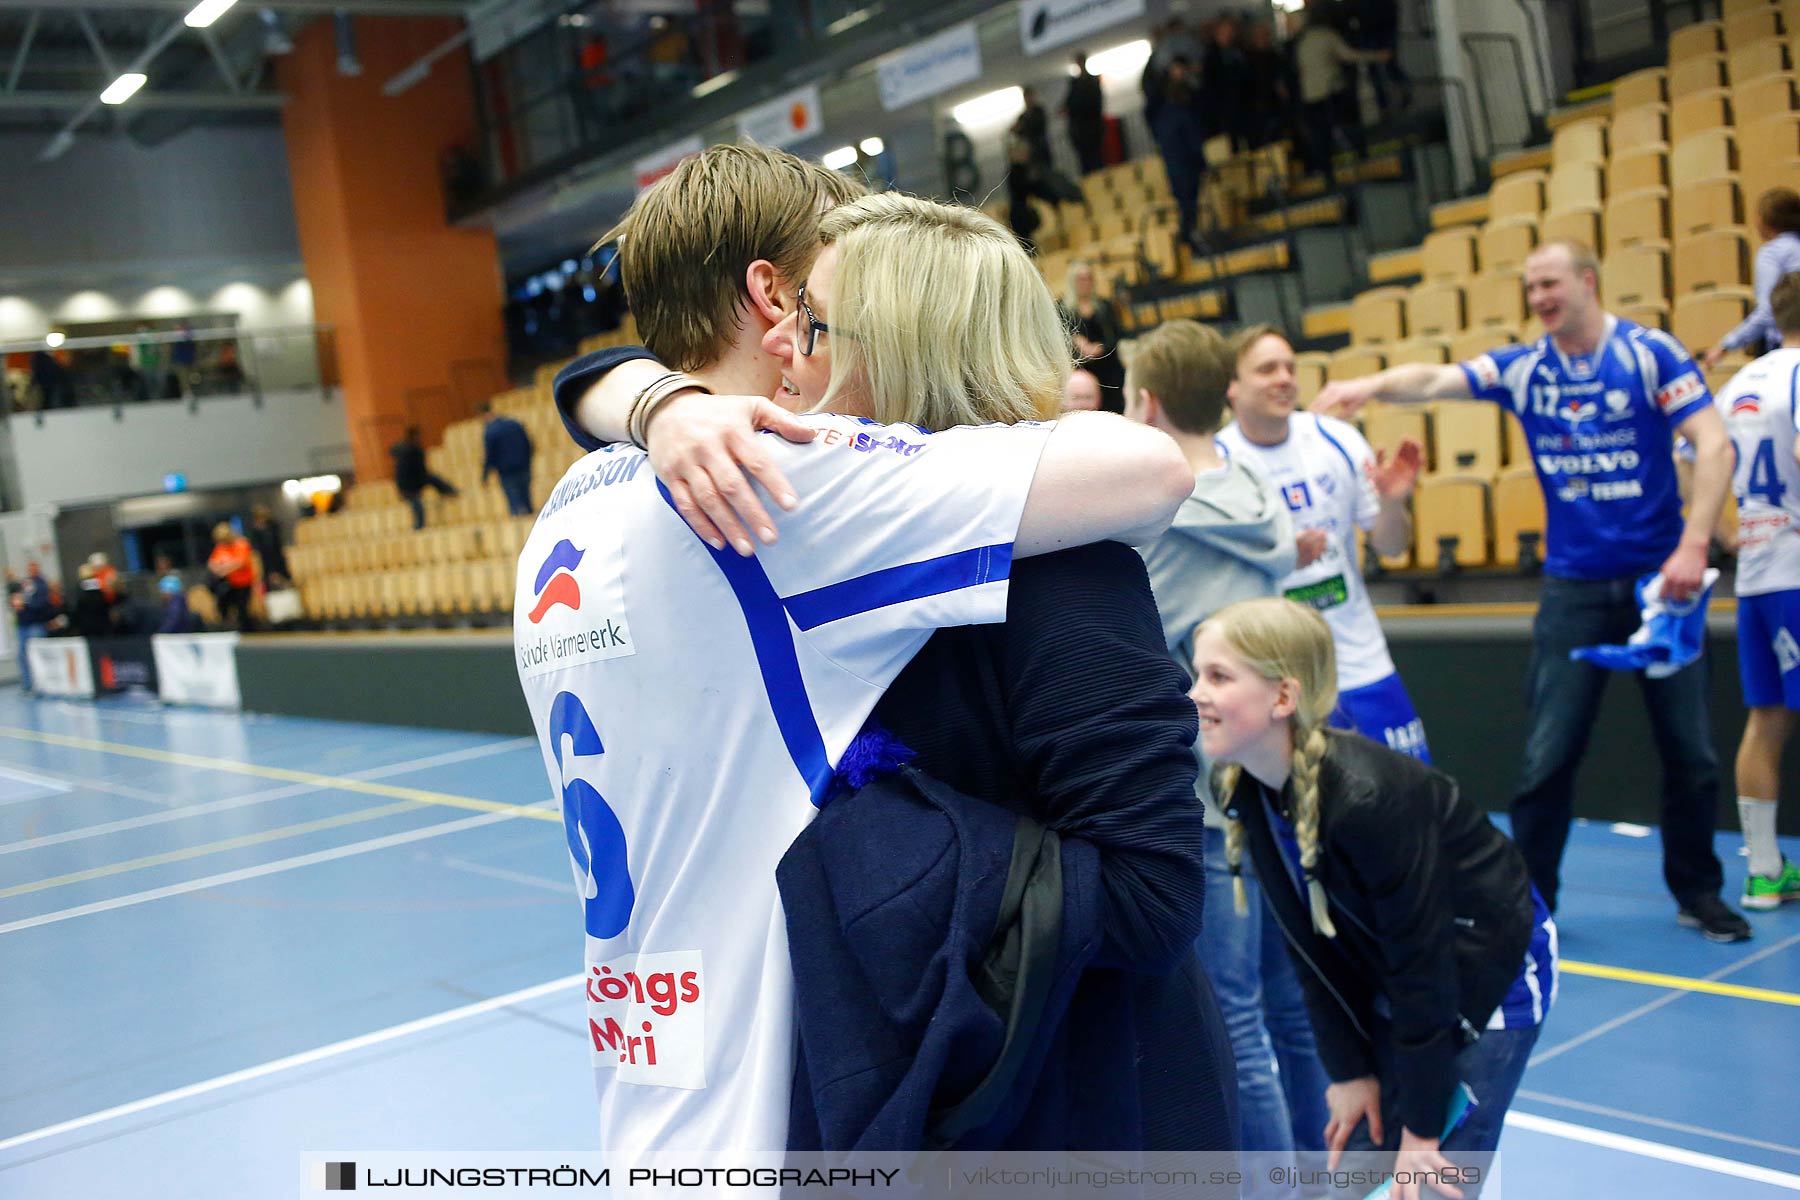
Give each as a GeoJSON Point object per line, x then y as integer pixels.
{"type": "Point", "coordinates": [229, 940]}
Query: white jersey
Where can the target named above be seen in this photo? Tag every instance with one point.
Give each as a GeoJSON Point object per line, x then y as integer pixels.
{"type": "Point", "coordinates": [1322, 471]}
{"type": "Point", "coordinates": [691, 706]}
{"type": "Point", "coordinates": [1758, 407]}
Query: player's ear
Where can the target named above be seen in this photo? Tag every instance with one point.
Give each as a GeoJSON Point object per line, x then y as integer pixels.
{"type": "Point", "coordinates": [767, 291]}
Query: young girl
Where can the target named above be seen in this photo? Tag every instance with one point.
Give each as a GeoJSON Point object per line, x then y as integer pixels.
{"type": "Point", "coordinates": [1427, 959]}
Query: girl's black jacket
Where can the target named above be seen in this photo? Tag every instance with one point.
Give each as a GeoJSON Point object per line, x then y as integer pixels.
{"type": "Point", "coordinates": [1433, 910]}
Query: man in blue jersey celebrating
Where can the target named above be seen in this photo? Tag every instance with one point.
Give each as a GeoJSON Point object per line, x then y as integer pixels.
{"type": "Point", "coordinates": [1600, 398]}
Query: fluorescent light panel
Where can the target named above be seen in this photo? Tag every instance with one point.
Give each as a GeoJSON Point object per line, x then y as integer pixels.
{"type": "Point", "coordinates": [123, 88]}
{"type": "Point", "coordinates": [840, 158]}
{"type": "Point", "coordinates": [991, 108]}
{"type": "Point", "coordinates": [872, 146]}
{"type": "Point", "coordinates": [1120, 60]}
{"type": "Point", "coordinates": [206, 12]}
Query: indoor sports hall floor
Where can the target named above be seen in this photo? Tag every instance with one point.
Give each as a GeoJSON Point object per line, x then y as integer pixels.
{"type": "Point", "coordinates": [227, 940]}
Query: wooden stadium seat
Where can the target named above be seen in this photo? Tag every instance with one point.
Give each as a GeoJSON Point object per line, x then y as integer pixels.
{"type": "Point", "coordinates": [1514, 448]}
{"type": "Point", "coordinates": [1737, 8]}
{"type": "Point", "coordinates": [1706, 205]}
{"type": "Point", "coordinates": [1637, 218]}
{"type": "Point", "coordinates": [1708, 155]}
{"type": "Point", "coordinates": [1635, 275]}
{"type": "Point", "coordinates": [1465, 437]}
{"type": "Point", "coordinates": [1497, 299]}
{"type": "Point", "coordinates": [1449, 255]}
{"type": "Point", "coordinates": [1757, 60]}
{"type": "Point", "coordinates": [1762, 176]}
{"type": "Point", "coordinates": [1377, 316]}
{"type": "Point", "coordinates": [1354, 362]}
{"type": "Point", "coordinates": [1649, 86]}
{"type": "Point", "coordinates": [1579, 142]}
{"type": "Point", "coordinates": [1475, 342]}
{"type": "Point", "coordinates": [1451, 506]}
{"type": "Point", "coordinates": [1518, 508]}
{"type": "Point", "coordinates": [1506, 243]}
{"type": "Point", "coordinates": [1690, 41]}
{"type": "Point", "coordinates": [1708, 262]}
{"type": "Point", "coordinates": [1757, 99]}
{"type": "Point", "coordinates": [1633, 169]}
{"type": "Point", "coordinates": [1636, 126]}
{"type": "Point", "coordinates": [1431, 351]}
{"type": "Point", "coordinates": [1699, 74]}
{"type": "Point", "coordinates": [1518, 195]}
{"type": "Point", "coordinates": [1650, 316]}
{"type": "Point", "coordinates": [1703, 318]}
{"type": "Point", "coordinates": [1309, 375]}
{"type": "Point", "coordinates": [1435, 310]}
{"type": "Point", "coordinates": [1574, 186]}
{"type": "Point", "coordinates": [1580, 224]}
{"type": "Point", "coordinates": [1698, 112]}
{"type": "Point", "coordinates": [1761, 25]}
{"type": "Point", "coordinates": [1386, 425]}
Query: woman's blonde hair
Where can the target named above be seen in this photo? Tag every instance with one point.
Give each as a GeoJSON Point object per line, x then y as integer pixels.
{"type": "Point", "coordinates": [1070, 299]}
{"type": "Point", "coordinates": [940, 317]}
{"type": "Point", "coordinates": [1280, 639]}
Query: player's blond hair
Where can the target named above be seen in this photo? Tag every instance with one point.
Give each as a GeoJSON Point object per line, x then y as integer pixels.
{"type": "Point", "coordinates": [1282, 640]}
{"type": "Point", "coordinates": [940, 317]}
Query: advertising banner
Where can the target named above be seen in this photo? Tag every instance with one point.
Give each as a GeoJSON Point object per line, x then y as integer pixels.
{"type": "Point", "coordinates": [1047, 23]}
{"type": "Point", "coordinates": [784, 121]}
{"type": "Point", "coordinates": [121, 664]}
{"type": "Point", "coordinates": [652, 168]}
{"type": "Point", "coordinates": [61, 666]}
{"type": "Point", "coordinates": [197, 668]}
{"type": "Point", "coordinates": [926, 68]}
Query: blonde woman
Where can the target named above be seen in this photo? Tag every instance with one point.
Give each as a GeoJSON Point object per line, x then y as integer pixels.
{"type": "Point", "coordinates": [1095, 322]}
{"type": "Point", "coordinates": [1071, 712]}
{"type": "Point", "coordinates": [1427, 959]}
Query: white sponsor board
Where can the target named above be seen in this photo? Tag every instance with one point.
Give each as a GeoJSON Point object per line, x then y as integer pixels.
{"type": "Point", "coordinates": [929, 67]}
{"type": "Point", "coordinates": [1047, 23]}
{"type": "Point", "coordinates": [61, 666]}
{"type": "Point", "coordinates": [784, 121]}
{"type": "Point", "coordinates": [648, 170]}
{"type": "Point", "coordinates": [197, 668]}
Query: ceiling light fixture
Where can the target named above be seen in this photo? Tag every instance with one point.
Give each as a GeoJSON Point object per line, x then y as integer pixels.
{"type": "Point", "coordinates": [840, 158]}
{"type": "Point", "coordinates": [206, 12]}
{"type": "Point", "coordinates": [124, 87]}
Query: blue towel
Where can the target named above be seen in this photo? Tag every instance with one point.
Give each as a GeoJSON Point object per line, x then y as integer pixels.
{"type": "Point", "coordinates": [1669, 638]}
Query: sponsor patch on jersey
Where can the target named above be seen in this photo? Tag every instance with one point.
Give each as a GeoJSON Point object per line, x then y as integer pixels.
{"type": "Point", "coordinates": [1486, 373]}
{"type": "Point", "coordinates": [1746, 405]}
{"type": "Point", "coordinates": [1680, 392]}
{"type": "Point", "coordinates": [646, 1017]}
{"type": "Point", "coordinates": [1787, 653]}
{"type": "Point", "coordinates": [576, 599]}
{"type": "Point", "coordinates": [1326, 593]}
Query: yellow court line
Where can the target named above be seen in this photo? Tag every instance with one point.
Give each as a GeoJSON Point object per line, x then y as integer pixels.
{"type": "Point", "coordinates": [1679, 982]}
{"type": "Point", "coordinates": [187, 852]}
{"type": "Point", "coordinates": [415, 795]}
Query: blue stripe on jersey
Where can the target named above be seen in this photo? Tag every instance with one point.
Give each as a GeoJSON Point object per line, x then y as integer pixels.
{"type": "Point", "coordinates": [1528, 1000]}
{"type": "Point", "coordinates": [897, 585]}
{"type": "Point", "coordinates": [1339, 447]}
{"type": "Point", "coordinates": [773, 640]}
{"type": "Point", "coordinates": [1794, 396]}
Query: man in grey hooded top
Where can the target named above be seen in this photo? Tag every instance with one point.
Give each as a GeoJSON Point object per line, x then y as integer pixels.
{"type": "Point", "coordinates": [1232, 540]}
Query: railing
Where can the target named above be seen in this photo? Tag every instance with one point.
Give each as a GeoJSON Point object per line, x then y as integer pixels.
{"type": "Point", "coordinates": [192, 365]}
{"type": "Point", "coordinates": [1500, 83]}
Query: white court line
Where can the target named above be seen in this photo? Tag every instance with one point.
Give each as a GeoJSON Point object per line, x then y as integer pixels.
{"type": "Point", "coordinates": [68, 783]}
{"type": "Point", "coordinates": [529, 880]}
{"type": "Point", "coordinates": [273, 868]}
{"type": "Point", "coordinates": [1656, 1150]}
{"type": "Point", "coordinates": [268, 794]}
{"type": "Point", "coordinates": [56, 786]}
{"type": "Point", "coordinates": [304, 1058]}
{"type": "Point", "coordinates": [1621, 1114]}
{"type": "Point", "coordinates": [1641, 1010]}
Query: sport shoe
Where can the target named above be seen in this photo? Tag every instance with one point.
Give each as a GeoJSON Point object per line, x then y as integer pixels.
{"type": "Point", "coordinates": [1714, 918]}
{"type": "Point", "coordinates": [1764, 892]}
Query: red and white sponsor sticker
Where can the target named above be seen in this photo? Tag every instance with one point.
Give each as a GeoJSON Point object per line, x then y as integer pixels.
{"type": "Point", "coordinates": [1680, 392]}
{"type": "Point", "coordinates": [647, 1018]}
{"type": "Point", "coordinates": [1486, 372]}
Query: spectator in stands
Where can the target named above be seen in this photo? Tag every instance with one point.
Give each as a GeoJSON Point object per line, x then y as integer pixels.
{"type": "Point", "coordinates": [506, 451]}
{"type": "Point", "coordinates": [1031, 175]}
{"type": "Point", "coordinates": [1232, 540]}
{"type": "Point", "coordinates": [1086, 109]}
{"type": "Point", "coordinates": [34, 607]}
{"type": "Point", "coordinates": [90, 609]}
{"type": "Point", "coordinates": [146, 359]}
{"type": "Point", "coordinates": [1268, 102]}
{"type": "Point", "coordinates": [1095, 322]}
{"type": "Point", "coordinates": [1081, 392]}
{"type": "Point", "coordinates": [1225, 84]}
{"type": "Point", "coordinates": [1427, 960]}
{"type": "Point", "coordinates": [412, 476]}
{"type": "Point", "coordinates": [233, 567]}
{"type": "Point", "coordinates": [1182, 140]}
{"type": "Point", "coordinates": [50, 379]}
{"type": "Point", "coordinates": [177, 617]}
{"type": "Point", "coordinates": [1171, 40]}
{"type": "Point", "coordinates": [1334, 483]}
{"type": "Point", "coordinates": [1778, 225]}
{"type": "Point", "coordinates": [1760, 408]}
{"type": "Point", "coordinates": [184, 357]}
{"type": "Point", "coordinates": [1375, 25]}
{"type": "Point", "coordinates": [265, 539]}
{"type": "Point", "coordinates": [1613, 517]}
{"type": "Point", "coordinates": [106, 573]}
{"type": "Point", "coordinates": [1328, 104]}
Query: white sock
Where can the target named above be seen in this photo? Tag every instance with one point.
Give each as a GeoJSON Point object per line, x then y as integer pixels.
{"type": "Point", "coordinates": [1758, 820]}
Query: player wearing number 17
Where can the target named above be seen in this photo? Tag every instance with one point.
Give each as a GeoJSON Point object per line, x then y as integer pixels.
{"type": "Point", "coordinates": [1759, 409]}
{"type": "Point", "coordinates": [1599, 398]}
